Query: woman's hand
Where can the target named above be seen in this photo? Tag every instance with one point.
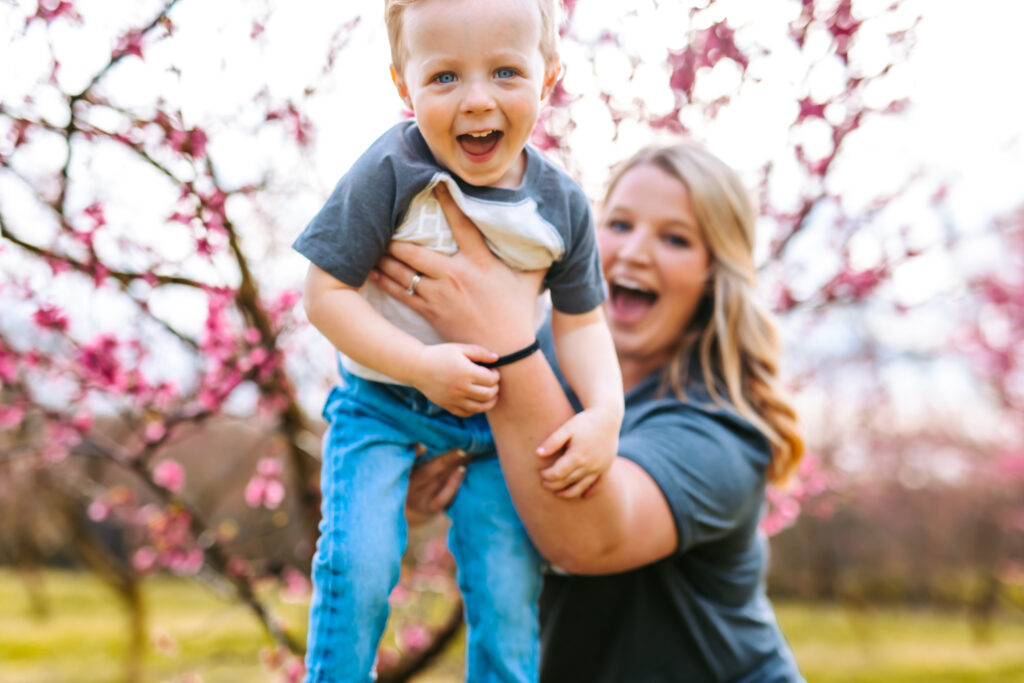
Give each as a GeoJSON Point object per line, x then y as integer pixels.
{"type": "Point", "coordinates": [469, 297]}
{"type": "Point", "coordinates": [433, 485]}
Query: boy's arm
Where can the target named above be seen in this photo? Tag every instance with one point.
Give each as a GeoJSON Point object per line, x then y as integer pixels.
{"type": "Point", "coordinates": [445, 373]}
{"type": "Point", "coordinates": [587, 358]}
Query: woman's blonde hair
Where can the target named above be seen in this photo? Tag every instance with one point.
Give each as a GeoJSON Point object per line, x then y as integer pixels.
{"type": "Point", "coordinates": [733, 335]}
{"type": "Point", "coordinates": [394, 10]}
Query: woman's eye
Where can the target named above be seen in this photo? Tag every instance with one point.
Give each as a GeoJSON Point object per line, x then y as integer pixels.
{"type": "Point", "coordinates": [446, 77]}
{"type": "Point", "coordinates": [505, 72]}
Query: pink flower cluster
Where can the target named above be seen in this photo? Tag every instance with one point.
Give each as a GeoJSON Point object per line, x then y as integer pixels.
{"type": "Point", "coordinates": [266, 488]}
{"type": "Point", "coordinates": [51, 318]}
{"type": "Point", "coordinates": [48, 11]}
{"type": "Point", "coordinates": [170, 475]}
{"type": "Point", "coordinates": [295, 123]}
{"type": "Point", "coordinates": [785, 504]}
{"type": "Point", "coordinates": [170, 542]}
{"type": "Point", "coordinates": [189, 142]}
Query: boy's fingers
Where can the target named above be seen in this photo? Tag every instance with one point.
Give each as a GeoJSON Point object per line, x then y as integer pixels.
{"type": "Point", "coordinates": [464, 231]}
{"type": "Point", "coordinates": [562, 468]}
{"type": "Point", "coordinates": [554, 443]}
{"type": "Point", "coordinates": [479, 353]}
{"type": "Point", "coordinates": [481, 394]}
{"type": "Point", "coordinates": [579, 487]}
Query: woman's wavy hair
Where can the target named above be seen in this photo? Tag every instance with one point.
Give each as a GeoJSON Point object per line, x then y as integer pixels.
{"type": "Point", "coordinates": [734, 336]}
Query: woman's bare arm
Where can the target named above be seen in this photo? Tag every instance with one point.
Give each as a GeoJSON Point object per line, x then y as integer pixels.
{"type": "Point", "coordinates": [625, 521]}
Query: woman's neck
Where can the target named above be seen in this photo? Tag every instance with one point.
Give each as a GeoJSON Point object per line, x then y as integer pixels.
{"type": "Point", "coordinates": [635, 370]}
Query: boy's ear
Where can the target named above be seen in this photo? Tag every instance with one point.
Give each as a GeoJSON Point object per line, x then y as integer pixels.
{"type": "Point", "coordinates": [551, 75]}
{"type": "Point", "coordinates": [403, 90]}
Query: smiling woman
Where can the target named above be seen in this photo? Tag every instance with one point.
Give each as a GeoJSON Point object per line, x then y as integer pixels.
{"type": "Point", "coordinates": [662, 563]}
{"type": "Point", "coordinates": [656, 263]}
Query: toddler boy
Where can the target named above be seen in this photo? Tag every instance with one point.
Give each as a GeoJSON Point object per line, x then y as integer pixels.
{"type": "Point", "coordinates": [474, 73]}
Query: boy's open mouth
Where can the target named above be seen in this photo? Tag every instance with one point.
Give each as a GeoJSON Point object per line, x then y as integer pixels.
{"type": "Point", "coordinates": [629, 303]}
{"type": "Point", "coordinates": [478, 144]}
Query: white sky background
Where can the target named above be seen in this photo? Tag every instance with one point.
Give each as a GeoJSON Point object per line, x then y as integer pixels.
{"type": "Point", "coordinates": [964, 126]}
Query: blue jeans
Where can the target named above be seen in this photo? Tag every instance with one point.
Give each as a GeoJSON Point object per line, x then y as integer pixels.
{"type": "Point", "coordinates": [367, 456]}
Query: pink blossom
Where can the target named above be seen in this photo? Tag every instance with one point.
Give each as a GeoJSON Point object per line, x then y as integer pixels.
{"type": "Point", "coordinates": [269, 467]}
{"type": "Point", "coordinates": [266, 492]}
{"type": "Point", "coordinates": [238, 566]}
{"type": "Point", "coordinates": [8, 366]}
{"type": "Point", "coordinates": [295, 586]}
{"type": "Point", "coordinates": [188, 142]}
{"type": "Point", "coordinates": [48, 11]}
{"type": "Point", "coordinates": [170, 475]}
{"type": "Point", "coordinates": [51, 317]}
{"type": "Point", "coordinates": [95, 212]}
{"type": "Point", "coordinates": [155, 431]}
{"type": "Point", "coordinates": [59, 438]}
{"type": "Point", "coordinates": [144, 559]}
{"type": "Point", "coordinates": [414, 637]}
{"type": "Point", "coordinates": [185, 561]}
{"type": "Point", "coordinates": [99, 363]}
{"type": "Point", "coordinates": [129, 44]}
{"type": "Point", "coordinates": [809, 109]}
{"type": "Point", "coordinates": [10, 416]}
{"type": "Point", "coordinates": [98, 510]}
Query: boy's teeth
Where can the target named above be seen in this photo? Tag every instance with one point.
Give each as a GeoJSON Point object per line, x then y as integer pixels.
{"type": "Point", "coordinates": [481, 135]}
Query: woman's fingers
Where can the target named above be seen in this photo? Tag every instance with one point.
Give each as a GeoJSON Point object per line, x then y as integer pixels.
{"type": "Point", "coordinates": [420, 259]}
{"type": "Point", "coordinates": [465, 232]}
{"type": "Point", "coordinates": [396, 290]}
{"type": "Point", "coordinates": [433, 484]}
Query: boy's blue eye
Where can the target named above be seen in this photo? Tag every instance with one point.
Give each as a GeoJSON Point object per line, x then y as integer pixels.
{"type": "Point", "coordinates": [446, 77]}
{"type": "Point", "coordinates": [505, 72]}
{"type": "Point", "coordinates": [677, 240]}
{"type": "Point", "coordinates": [618, 226]}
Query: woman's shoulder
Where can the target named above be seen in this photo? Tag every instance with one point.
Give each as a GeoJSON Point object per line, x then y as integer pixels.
{"type": "Point", "coordinates": [691, 431]}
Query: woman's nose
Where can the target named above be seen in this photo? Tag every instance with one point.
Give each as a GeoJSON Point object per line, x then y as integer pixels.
{"type": "Point", "coordinates": [636, 246]}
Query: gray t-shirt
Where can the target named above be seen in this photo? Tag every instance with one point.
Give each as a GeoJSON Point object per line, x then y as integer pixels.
{"type": "Point", "coordinates": [700, 615]}
{"type": "Point", "coordinates": [387, 194]}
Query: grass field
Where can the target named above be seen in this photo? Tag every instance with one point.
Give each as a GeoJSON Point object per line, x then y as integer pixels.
{"type": "Point", "coordinates": [196, 636]}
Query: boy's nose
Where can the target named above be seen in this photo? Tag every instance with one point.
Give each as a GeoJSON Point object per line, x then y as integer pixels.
{"type": "Point", "coordinates": [477, 98]}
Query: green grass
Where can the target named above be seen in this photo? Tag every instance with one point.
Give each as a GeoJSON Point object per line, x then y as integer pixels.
{"type": "Point", "coordinates": [84, 638]}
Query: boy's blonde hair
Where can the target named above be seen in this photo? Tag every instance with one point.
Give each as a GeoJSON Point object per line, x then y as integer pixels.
{"type": "Point", "coordinates": [395, 9]}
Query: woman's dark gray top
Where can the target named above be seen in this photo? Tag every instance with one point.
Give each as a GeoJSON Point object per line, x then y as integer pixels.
{"type": "Point", "coordinates": [700, 614]}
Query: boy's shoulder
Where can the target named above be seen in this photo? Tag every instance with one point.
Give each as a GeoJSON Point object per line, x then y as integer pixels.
{"type": "Point", "coordinates": [401, 146]}
{"type": "Point", "coordinates": [546, 180]}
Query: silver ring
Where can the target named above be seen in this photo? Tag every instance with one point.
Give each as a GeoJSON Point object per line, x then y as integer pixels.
{"type": "Point", "coordinates": [411, 289]}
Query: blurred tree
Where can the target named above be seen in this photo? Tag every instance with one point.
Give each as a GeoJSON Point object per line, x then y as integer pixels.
{"type": "Point", "coordinates": [147, 290]}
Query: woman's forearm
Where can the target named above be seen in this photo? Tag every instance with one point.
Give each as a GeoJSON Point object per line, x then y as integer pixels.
{"type": "Point", "coordinates": [574, 534]}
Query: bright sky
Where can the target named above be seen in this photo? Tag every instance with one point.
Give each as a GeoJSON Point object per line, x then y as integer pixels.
{"type": "Point", "coordinates": [964, 126]}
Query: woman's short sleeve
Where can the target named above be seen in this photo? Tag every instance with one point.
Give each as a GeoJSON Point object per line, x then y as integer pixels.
{"type": "Point", "coordinates": [708, 463]}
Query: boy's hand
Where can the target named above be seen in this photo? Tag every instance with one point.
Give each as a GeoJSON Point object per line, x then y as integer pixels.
{"type": "Point", "coordinates": [449, 377]}
{"type": "Point", "coordinates": [591, 442]}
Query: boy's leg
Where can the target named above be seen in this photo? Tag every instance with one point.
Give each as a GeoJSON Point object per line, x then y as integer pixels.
{"type": "Point", "coordinates": [499, 576]}
{"type": "Point", "coordinates": [365, 474]}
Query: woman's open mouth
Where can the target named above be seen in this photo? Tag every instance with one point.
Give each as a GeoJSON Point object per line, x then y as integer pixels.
{"type": "Point", "coordinates": [479, 144]}
{"type": "Point", "coordinates": [628, 302]}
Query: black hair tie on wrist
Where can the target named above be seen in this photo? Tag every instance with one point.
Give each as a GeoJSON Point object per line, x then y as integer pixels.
{"type": "Point", "coordinates": [512, 357]}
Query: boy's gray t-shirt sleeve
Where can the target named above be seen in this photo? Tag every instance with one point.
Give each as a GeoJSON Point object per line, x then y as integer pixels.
{"type": "Point", "coordinates": [575, 280]}
{"type": "Point", "coordinates": [354, 227]}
